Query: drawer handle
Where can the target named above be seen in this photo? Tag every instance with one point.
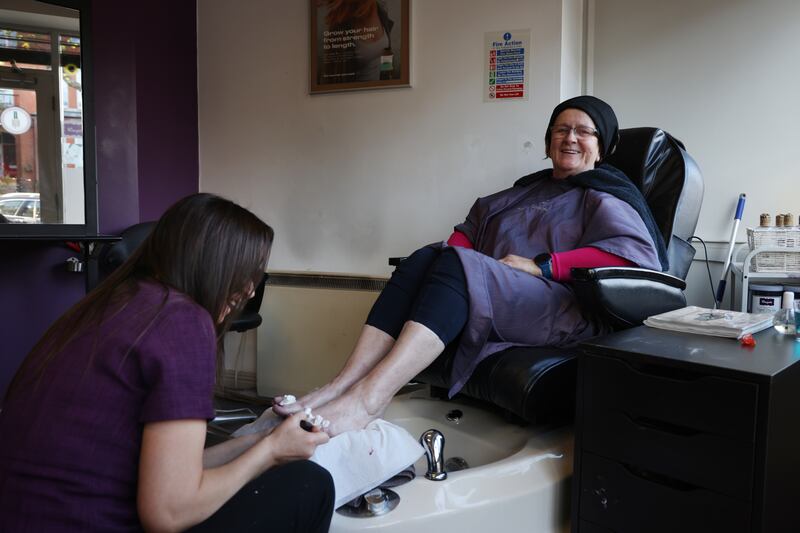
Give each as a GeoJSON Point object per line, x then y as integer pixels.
{"type": "Point", "coordinates": [660, 479]}
{"type": "Point", "coordinates": [660, 425]}
{"type": "Point", "coordinates": [665, 372]}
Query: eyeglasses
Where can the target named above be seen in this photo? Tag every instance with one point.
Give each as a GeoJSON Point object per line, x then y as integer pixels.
{"type": "Point", "coordinates": [581, 132]}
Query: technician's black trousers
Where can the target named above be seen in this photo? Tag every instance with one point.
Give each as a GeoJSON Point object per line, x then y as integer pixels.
{"type": "Point", "coordinates": [294, 497]}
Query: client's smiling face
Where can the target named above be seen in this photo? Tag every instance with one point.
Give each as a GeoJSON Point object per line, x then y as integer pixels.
{"type": "Point", "coordinates": [574, 145]}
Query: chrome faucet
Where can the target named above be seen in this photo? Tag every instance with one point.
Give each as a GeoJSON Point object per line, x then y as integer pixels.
{"type": "Point", "coordinates": [433, 443]}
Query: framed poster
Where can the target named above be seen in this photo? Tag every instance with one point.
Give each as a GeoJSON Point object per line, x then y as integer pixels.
{"type": "Point", "coordinates": [359, 44]}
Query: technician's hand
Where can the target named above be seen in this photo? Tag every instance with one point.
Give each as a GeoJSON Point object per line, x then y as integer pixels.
{"type": "Point", "coordinates": [290, 442]}
{"type": "Point", "coordinates": [522, 263]}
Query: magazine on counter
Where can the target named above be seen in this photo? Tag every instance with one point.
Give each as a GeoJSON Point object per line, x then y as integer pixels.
{"type": "Point", "coordinates": [716, 322]}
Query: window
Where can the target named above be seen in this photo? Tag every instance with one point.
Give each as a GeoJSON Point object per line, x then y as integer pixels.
{"type": "Point", "coordinates": [45, 154]}
{"type": "Point", "coordinates": [9, 207]}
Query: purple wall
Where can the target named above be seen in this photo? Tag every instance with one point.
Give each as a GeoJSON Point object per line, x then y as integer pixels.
{"type": "Point", "coordinates": [35, 289]}
{"type": "Point", "coordinates": [145, 80]}
{"type": "Point", "coordinates": [166, 113]}
{"type": "Point", "coordinates": [116, 101]}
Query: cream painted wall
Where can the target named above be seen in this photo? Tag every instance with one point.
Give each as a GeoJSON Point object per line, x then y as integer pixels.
{"type": "Point", "coordinates": [573, 48]}
{"type": "Point", "coordinates": [350, 179]}
{"type": "Point", "coordinates": [721, 75]}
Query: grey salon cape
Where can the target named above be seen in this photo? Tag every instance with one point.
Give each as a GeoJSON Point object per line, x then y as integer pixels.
{"type": "Point", "coordinates": [508, 307]}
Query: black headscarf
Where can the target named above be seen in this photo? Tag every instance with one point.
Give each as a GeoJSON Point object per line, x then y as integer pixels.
{"type": "Point", "coordinates": [601, 114]}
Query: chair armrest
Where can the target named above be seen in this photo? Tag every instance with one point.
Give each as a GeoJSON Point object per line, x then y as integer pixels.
{"type": "Point", "coordinates": [592, 274]}
{"type": "Point", "coordinates": [624, 297]}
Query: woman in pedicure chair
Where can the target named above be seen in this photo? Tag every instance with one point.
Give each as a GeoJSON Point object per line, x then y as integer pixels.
{"type": "Point", "coordinates": [502, 279]}
{"type": "Point", "coordinates": [104, 425]}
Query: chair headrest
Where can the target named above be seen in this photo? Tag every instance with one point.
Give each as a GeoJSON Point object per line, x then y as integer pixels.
{"type": "Point", "coordinates": [658, 165]}
{"type": "Point", "coordinates": [119, 251]}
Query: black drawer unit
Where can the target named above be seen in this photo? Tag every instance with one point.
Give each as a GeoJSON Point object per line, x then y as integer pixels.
{"type": "Point", "coordinates": [616, 493]}
{"type": "Point", "coordinates": [680, 432]}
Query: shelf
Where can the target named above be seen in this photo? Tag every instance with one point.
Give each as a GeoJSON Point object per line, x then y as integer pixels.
{"type": "Point", "coordinates": [742, 271]}
{"type": "Point", "coordinates": [87, 246]}
{"type": "Point", "coordinates": [60, 238]}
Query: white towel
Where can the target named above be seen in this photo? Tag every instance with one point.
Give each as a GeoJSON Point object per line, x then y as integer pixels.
{"type": "Point", "coordinates": [358, 460]}
{"type": "Point", "coordinates": [361, 460]}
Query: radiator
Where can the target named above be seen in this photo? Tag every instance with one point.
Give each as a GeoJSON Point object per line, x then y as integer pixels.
{"type": "Point", "coordinates": [311, 323]}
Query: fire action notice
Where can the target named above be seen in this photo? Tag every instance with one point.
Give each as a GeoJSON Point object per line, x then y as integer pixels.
{"type": "Point", "coordinates": [507, 62]}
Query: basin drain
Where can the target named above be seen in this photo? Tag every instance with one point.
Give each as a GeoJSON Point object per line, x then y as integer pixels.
{"type": "Point", "coordinates": [376, 502]}
{"type": "Point", "coordinates": [454, 464]}
{"type": "Point", "coordinates": [455, 415]}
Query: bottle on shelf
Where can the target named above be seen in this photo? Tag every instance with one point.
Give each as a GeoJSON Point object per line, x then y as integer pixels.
{"type": "Point", "coordinates": [784, 321]}
{"type": "Point", "coordinates": [387, 64]}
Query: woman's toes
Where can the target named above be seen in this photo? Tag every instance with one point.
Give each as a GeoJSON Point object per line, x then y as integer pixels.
{"type": "Point", "coordinates": [286, 405]}
{"type": "Point", "coordinates": [286, 399]}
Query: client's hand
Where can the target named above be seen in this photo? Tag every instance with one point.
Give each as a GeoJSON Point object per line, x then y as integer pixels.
{"type": "Point", "coordinates": [291, 442]}
{"type": "Point", "coordinates": [522, 263]}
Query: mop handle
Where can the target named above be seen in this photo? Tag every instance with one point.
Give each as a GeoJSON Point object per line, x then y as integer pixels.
{"type": "Point", "coordinates": [732, 242]}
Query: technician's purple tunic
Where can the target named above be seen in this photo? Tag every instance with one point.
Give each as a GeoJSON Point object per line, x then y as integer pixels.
{"type": "Point", "coordinates": [509, 307]}
{"type": "Point", "coordinates": [69, 447]}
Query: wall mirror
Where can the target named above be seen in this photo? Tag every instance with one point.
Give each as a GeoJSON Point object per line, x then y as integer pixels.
{"type": "Point", "coordinates": [47, 180]}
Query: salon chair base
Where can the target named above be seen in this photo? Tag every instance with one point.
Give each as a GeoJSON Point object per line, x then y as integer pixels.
{"type": "Point", "coordinates": [534, 385]}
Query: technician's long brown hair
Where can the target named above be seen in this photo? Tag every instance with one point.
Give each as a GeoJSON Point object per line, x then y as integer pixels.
{"type": "Point", "coordinates": [204, 246]}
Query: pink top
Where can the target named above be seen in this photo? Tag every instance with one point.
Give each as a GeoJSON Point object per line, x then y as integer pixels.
{"type": "Point", "coordinates": [563, 262]}
{"type": "Point", "coordinates": [459, 239]}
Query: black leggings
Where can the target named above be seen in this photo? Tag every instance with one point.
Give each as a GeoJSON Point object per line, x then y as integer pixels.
{"type": "Point", "coordinates": [428, 287]}
{"type": "Point", "coordinates": [296, 497]}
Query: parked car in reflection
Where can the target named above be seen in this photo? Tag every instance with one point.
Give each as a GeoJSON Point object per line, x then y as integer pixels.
{"type": "Point", "coordinates": [21, 207]}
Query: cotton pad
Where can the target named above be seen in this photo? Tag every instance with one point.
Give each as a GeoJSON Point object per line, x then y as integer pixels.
{"type": "Point", "coordinates": [287, 399]}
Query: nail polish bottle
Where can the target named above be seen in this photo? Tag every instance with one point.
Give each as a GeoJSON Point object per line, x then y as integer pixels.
{"type": "Point", "coordinates": [784, 321]}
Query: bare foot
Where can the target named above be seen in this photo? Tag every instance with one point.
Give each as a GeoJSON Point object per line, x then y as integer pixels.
{"type": "Point", "coordinates": [350, 411]}
{"type": "Point", "coordinates": [313, 400]}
